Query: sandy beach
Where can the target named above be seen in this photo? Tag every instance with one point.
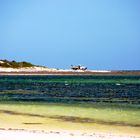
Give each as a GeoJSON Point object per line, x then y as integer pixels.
{"type": "Point", "coordinates": [11, 134]}
{"type": "Point", "coordinates": [54, 71]}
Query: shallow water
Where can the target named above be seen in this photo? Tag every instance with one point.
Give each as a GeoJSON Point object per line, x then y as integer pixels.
{"type": "Point", "coordinates": [104, 103]}
{"type": "Point", "coordinates": [71, 88]}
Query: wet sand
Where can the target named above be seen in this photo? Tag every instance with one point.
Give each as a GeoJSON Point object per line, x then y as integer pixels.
{"type": "Point", "coordinates": [21, 134]}
{"type": "Point", "coordinates": [90, 72]}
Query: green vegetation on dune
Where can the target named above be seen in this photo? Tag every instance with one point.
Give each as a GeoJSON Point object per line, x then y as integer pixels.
{"type": "Point", "coordinates": [14, 64]}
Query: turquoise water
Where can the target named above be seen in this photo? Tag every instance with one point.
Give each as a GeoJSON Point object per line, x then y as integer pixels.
{"type": "Point", "coordinates": [86, 103]}
{"type": "Point", "coordinates": [69, 89]}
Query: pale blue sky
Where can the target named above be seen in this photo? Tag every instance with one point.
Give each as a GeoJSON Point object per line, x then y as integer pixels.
{"type": "Point", "coordinates": [100, 34]}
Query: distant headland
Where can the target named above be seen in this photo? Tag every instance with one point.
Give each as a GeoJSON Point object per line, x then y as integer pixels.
{"type": "Point", "coordinates": [26, 68]}
{"type": "Point", "coordinates": [13, 64]}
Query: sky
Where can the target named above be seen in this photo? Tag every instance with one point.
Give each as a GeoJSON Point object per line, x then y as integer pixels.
{"type": "Point", "coordinates": [99, 34]}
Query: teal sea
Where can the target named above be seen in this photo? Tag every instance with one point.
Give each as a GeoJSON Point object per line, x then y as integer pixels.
{"type": "Point", "coordinates": [71, 102]}
{"type": "Point", "coordinates": [69, 89]}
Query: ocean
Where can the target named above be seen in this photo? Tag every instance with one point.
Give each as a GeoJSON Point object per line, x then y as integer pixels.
{"type": "Point", "coordinates": [116, 89]}
{"type": "Point", "coordinates": [83, 103]}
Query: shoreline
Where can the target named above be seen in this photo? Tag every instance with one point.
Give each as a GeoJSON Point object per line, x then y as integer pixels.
{"type": "Point", "coordinates": [74, 73]}
{"type": "Point", "coordinates": [52, 71]}
{"type": "Point", "coordinates": [16, 134]}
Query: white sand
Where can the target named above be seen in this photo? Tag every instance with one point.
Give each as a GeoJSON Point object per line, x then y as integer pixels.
{"type": "Point", "coordinates": [1, 62]}
{"type": "Point", "coordinates": [31, 69]}
{"type": "Point", "coordinates": [33, 135]}
{"type": "Point", "coordinates": [43, 69]}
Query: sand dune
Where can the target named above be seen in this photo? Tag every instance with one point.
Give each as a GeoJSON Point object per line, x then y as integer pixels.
{"type": "Point", "coordinates": [40, 69]}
